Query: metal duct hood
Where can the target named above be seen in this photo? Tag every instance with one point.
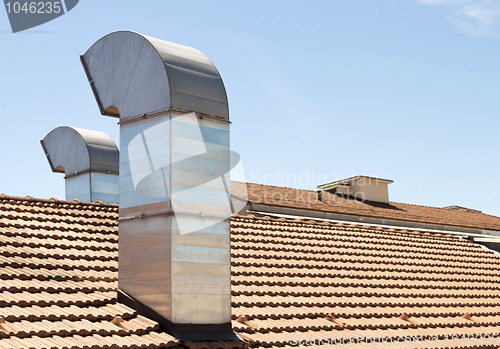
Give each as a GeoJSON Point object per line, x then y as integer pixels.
{"type": "Point", "coordinates": [89, 160]}
{"type": "Point", "coordinates": [134, 75]}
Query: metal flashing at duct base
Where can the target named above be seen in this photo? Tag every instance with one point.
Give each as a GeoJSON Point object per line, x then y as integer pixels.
{"type": "Point", "coordinates": [89, 160]}
{"type": "Point", "coordinates": [184, 332]}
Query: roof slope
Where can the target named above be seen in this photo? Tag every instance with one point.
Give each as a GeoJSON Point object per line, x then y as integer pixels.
{"type": "Point", "coordinates": [293, 282]}
{"type": "Point", "coordinates": [298, 282]}
{"type": "Point", "coordinates": [308, 199]}
{"type": "Point", "coordinates": [59, 272]}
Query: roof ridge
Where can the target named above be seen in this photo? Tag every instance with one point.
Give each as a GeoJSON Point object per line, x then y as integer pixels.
{"type": "Point", "coordinates": [274, 186]}
{"type": "Point", "coordinates": [4, 196]}
{"type": "Point", "coordinates": [390, 202]}
{"type": "Point", "coordinates": [304, 220]}
{"type": "Point", "coordinates": [340, 224]}
{"type": "Point", "coordinates": [468, 210]}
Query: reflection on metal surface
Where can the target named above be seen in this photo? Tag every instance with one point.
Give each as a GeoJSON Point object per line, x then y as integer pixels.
{"type": "Point", "coordinates": [89, 160]}
{"type": "Point", "coordinates": [174, 246]}
{"type": "Point", "coordinates": [178, 164]}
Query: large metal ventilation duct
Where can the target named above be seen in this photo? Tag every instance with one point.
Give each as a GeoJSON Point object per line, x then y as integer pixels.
{"type": "Point", "coordinates": [174, 246]}
{"type": "Point", "coordinates": [89, 160]}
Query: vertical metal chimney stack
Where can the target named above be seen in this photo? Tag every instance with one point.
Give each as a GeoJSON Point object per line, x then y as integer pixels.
{"type": "Point", "coordinates": [89, 160]}
{"type": "Point", "coordinates": [174, 246]}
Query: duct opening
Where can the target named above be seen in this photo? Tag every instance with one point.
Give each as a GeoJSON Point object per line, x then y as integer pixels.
{"type": "Point", "coordinates": [58, 169]}
{"type": "Point", "coordinates": [112, 111]}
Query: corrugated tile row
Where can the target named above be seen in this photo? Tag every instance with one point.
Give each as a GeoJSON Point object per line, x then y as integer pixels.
{"type": "Point", "coordinates": [371, 273]}
{"type": "Point", "coordinates": [53, 207]}
{"type": "Point", "coordinates": [69, 311]}
{"type": "Point", "coordinates": [448, 337]}
{"type": "Point", "coordinates": [57, 263]}
{"type": "Point", "coordinates": [376, 242]}
{"type": "Point", "coordinates": [307, 311]}
{"type": "Point", "coordinates": [20, 223]}
{"type": "Point", "coordinates": [59, 234]}
{"type": "Point", "coordinates": [341, 263]}
{"type": "Point", "coordinates": [357, 249]}
{"type": "Point", "coordinates": [56, 242]}
{"type": "Point", "coordinates": [215, 345]}
{"type": "Point", "coordinates": [25, 299]}
{"type": "Point", "coordinates": [150, 340]}
{"type": "Point", "coordinates": [345, 279]}
{"type": "Point", "coordinates": [353, 291]}
{"type": "Point", "coordinates": [315, 267]}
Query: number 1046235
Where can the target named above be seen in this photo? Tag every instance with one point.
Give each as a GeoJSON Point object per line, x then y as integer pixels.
{"type": "Point", "coordinates": [33, 7]}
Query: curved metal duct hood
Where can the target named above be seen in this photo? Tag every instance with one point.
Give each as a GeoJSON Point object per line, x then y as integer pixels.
{"type": "Point", "coordinates": [89, 160]}
{"type": "Point", "coordinates": [134, 75]}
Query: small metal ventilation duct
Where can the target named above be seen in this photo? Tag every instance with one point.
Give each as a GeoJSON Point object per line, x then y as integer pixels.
{"type": "Point", "coordinates": [174, 246]}
{"type": "Point", "coordinates": [89, 160]}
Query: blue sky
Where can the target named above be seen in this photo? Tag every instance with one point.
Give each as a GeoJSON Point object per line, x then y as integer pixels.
{"type": "Point", "coordinates": [318, 90]}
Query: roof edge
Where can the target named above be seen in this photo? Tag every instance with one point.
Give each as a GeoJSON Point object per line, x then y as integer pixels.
{"type": "Point", "coordinates": [54, 200]}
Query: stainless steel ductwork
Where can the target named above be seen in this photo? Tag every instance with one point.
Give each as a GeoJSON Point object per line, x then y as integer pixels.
{"type": "Point", "coordinates": [89, 160]}
{"type": "Point", "coordinates": [174, 246]}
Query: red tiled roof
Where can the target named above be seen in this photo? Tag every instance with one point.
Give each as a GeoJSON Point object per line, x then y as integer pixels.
{"type": "Point", "coordinates": [58, 271]}
{"type": "Point", "coordinates": [295, 280]}
{"type": "Point", "coordinates": [292, 281]}
{"type": "Point", "coordinates": [308, 199]}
